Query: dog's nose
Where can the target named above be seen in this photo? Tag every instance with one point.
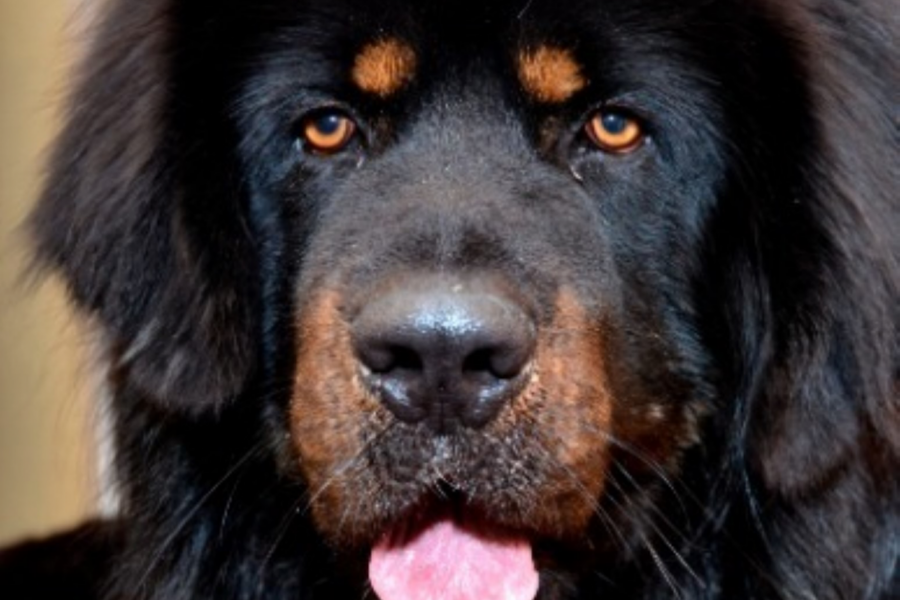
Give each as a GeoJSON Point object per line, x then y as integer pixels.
{"type": "Point", "coordinates": [449, 352]}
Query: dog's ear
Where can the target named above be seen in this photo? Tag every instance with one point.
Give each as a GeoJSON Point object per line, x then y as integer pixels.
{"type": "Point", "coordinates": [832, 393]}
{"type": "Point", "coordinates": [141, 215]}
{"type": "Point", "coordinates": [826, 400]}
{"type": "Point", "coordinates": [831, 396]}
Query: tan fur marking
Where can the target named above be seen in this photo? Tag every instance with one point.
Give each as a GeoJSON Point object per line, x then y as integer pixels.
{"type": "Point", "coordinates": [569, 399]}
{"type": "Point", "coordinates": [328, 399]}
{"type": "Point", "coordinates": [384, 67]}
{"type": "Point", "coordinates": [550, 75]}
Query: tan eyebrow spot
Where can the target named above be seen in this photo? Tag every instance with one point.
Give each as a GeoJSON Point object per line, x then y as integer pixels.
{"type": "Point", "coordinates": [384, 66]}
{"type": "Point", "coordinates": [550, 75]}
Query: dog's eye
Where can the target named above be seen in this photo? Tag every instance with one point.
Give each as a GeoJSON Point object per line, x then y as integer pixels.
{"type": "Point", "coordinates": [328, 131]}
{"type": "Point", "coordinates": [615, 132]}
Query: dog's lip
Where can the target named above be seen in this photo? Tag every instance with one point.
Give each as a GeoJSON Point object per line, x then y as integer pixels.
{"type": "Point", "coordinates": [403, 529]}
{"type": "Point", "coordinates": [447, 501]}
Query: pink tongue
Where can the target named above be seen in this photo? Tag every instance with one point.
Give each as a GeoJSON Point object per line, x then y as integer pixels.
{"type": "Point", "coordinates": [445, 562]}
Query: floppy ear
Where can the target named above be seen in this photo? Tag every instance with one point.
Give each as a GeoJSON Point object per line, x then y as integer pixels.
{"type": "Point", "coordinates": [141, 215]}
{"type": "Point", "coordinates": [832, 392]}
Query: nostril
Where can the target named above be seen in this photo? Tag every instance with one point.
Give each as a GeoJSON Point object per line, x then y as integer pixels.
{"type": "Point", "coordinates": [384, 358]}
{"type": "Point", "coordinates": [480, 361]}
{"type": "Point", "coordinates": [443, 351]}
{"type": "Point", "coordinates": [406, 359]}
{"type": "Point", "coordinates": [498, 361]}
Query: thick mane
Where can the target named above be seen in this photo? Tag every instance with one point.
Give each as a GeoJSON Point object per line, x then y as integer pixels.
{"type": "Point", "coordinates": [837, 342]}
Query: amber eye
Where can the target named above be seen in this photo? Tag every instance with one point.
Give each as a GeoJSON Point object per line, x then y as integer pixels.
{"type": "Point", "coordinates": [328, 132]}
{"type": "Point", "coordinates": [615, 132]}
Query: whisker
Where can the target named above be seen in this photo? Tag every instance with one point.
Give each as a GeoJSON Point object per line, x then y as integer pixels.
{"type": "Point", "coordinates": [280, 532]}
{"type": "Point", "coordinates": [190, 513]}
{"type": "Point", "coordinates": [653, 465]}
{"type": "Point", "coordinates": [306, 501]}
{"type": "Point", "coordinates": [628, 507]}
{"type": "Point", "coordinates": [651, 505]}
{"type": "Point", "coordinates": [605, 518]}
{"type": "Point", "coordinates": [663, 569]}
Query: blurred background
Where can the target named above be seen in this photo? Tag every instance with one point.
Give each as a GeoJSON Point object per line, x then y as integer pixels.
{"type": "Point", "coordinates": [47, 418]}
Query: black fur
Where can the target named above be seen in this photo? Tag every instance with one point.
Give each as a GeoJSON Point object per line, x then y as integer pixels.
{"type": "Point", "coordinates": [746, 263]}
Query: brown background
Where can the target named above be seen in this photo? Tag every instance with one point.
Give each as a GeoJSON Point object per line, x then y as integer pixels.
{"type": "Point", "coordinates": [46, 423]}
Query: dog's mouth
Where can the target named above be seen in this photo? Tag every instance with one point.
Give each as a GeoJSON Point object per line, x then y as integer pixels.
{"type": "Point", "coordinates": [446, 500]}
{"type": "Point", "coordinates": [449, 555]}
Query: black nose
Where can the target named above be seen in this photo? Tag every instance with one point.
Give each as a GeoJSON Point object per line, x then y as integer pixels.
{"type": "Point", "coordinates": [447, 351]}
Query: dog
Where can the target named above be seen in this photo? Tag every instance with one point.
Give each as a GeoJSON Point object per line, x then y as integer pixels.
{"type": "Point", "coordinates": [451, 301]}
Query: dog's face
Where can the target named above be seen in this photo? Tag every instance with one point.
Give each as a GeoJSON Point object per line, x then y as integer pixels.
{"type": "Point", "coordinates": [507, 281]}
{"type": "Point", "coordinates": [500, 227]}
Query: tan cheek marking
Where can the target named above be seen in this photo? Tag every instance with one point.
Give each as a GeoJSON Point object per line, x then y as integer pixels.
{"type": "Point", "coordinates": [328, 403]}
{"type": "Point", "coordinates": [384, 67]}
{"type": "Point", "coordinates": [572, 371]}
{"type": "Point", "coordinates": [550, 75]}
{"type": "Point", "coordinates": [569, 398]}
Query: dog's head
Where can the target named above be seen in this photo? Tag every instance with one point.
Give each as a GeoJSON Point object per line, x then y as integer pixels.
{"type": "Point", "coordinates": [514, 260]}
{"type": "Point", "coordinates": [488, 301]}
